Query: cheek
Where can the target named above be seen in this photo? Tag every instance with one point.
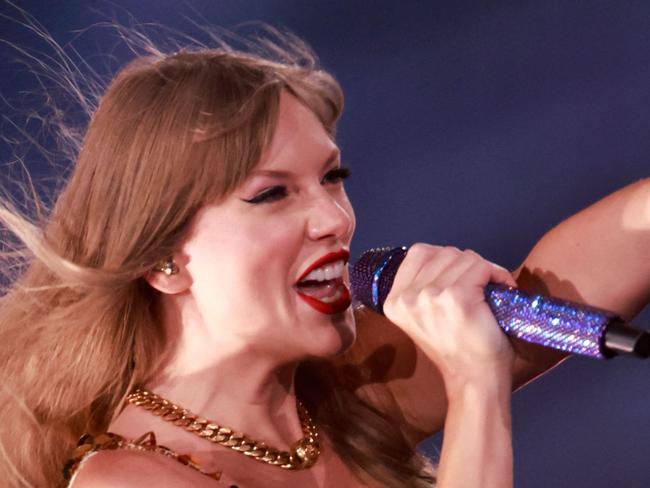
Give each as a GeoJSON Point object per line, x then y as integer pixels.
{"type": "Point", "coordinates": [236, 295]}
{"type": "Point", "coordinates": [238, 273]}
{"type": "Point", "coordinates": [353, 218]}
{"type": "Point", "coordinates": [346, 205]}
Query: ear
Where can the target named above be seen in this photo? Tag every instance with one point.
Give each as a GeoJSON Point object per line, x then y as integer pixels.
{"type": "Point", "coordinates": [171, 284]}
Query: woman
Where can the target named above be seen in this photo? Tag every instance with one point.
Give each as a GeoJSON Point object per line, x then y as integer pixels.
{"type": "Point", "coordinates": [182, 263]}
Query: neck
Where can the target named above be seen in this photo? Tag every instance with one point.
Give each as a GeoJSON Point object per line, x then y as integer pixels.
{"type": "Point", "coordinates": [232, 385]}
{"type": "Point", "coordinates": [261, 405]}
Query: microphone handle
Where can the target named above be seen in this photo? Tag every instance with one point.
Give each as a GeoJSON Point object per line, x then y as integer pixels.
{"type": "Point", "coordinates": [563, 325]}
{"type": "Point", "coordinates": [559, 324]}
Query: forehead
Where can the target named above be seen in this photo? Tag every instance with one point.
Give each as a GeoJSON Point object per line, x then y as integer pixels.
{"type": "Point", "coordinates": [299, 138]}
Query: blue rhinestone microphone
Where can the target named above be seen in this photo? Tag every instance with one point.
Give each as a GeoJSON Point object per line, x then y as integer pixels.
{"type": "Point", "coordinates": [558, 324]}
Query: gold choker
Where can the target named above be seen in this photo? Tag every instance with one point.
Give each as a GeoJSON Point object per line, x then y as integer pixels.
{"type": "Point", "coordinates": [304, 453]}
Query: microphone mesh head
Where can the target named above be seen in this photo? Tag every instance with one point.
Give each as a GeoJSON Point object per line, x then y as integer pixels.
{"type": "Point", "coordinates": [371, 277]}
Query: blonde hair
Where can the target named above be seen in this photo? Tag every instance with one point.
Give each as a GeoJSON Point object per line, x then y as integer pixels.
{"type": "Point", "coordinates": [79, 325]}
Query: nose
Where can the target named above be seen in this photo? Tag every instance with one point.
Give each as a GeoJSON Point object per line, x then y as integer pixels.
{"type": "Point", "coordinates": [330, 217]}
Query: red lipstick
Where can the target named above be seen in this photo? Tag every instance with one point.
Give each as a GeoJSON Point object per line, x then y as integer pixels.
{"type": "Point", "coordinates": [328, 258]}
{"type": "Point", "coordinates": [343, 301]}
{"type": "Point", "coordinates": [338, 306]}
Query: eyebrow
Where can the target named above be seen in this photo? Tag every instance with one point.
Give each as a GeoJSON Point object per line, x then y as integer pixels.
{"type": "Point", "coordinates": [284, 174]}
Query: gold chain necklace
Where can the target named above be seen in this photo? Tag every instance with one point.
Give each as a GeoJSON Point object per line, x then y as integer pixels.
{"type": "Point", "coordinates": [304, 453]}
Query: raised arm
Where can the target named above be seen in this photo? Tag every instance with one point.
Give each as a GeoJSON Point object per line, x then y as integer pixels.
{"type": "Point", "coordinates": [599, 256]}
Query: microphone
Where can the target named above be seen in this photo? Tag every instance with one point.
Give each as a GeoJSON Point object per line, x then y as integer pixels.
{"type": "Point", "coordinates": [551, 322]}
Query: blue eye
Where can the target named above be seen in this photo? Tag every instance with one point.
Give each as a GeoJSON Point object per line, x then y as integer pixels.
{"type": "Point", "coordinates": [336, 175]}
{"type": "Point", "coordinates": [270, 195]}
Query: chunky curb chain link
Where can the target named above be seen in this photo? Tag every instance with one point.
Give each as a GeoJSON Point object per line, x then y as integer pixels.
{"type": "Point", "coordinates": [304, 453]}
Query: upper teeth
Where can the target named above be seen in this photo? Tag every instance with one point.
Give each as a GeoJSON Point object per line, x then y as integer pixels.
{"type": "Point", "coordinates": [328, 271]}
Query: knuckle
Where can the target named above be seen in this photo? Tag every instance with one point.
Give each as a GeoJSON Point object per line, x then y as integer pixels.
{"type": "Point", "coordinates": [407, 298]}
{"type": "Point", "coordinates": [427, 299]}
{"type": "Point", "coordinates": [471, 257]}
{"type": "Point", "coordinates": [401, 301]}
{"type": "Point", "coordinates": [456, 298]}
{"type": "Point", "coordinates": [472, 254]}
{"type": "Point", "coordinates": [429, 293]}
{"type": "Point", "coordinates": [421, 249]}
{"type": "Point", "coordinates": [455, 293]}
{"type": "Point", "coordinates": [450, 252]}
{"type": "Point", "coordinates": [483, 266]}
{"type": "Point", "coordinates": [481, 273]}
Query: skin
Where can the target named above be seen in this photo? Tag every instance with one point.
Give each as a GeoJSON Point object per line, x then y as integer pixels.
{"type": "Point", "coordinates": [238, 330]}
{"type": "Point", "coordinates": [597, 256]}
{"type": "Point", "coordinates": [237, 327]}
{"type": "Point", "coordinates": [438, 293]}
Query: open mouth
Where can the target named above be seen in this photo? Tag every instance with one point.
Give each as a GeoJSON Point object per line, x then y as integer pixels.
{"type": "Point", "coordinates": [340, 301]}
{"type": "Point", "coordinates": [322, 285]}
{"type": "Point", "coordinates": [327, 291]}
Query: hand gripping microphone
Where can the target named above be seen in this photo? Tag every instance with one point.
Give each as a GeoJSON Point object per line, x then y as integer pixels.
{"type": "Point", "coordinates": [551, 322]}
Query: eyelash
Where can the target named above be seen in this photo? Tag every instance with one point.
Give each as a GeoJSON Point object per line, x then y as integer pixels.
{"type": "Point", "coordinates": [278, 192]}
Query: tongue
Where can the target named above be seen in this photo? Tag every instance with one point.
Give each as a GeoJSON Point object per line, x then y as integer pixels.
{"type": "Point", "coordinates": [319, 289]}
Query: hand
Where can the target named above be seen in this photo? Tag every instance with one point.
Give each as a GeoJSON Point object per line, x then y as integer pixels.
{"type": "Point", "coordinates": [437, 299]}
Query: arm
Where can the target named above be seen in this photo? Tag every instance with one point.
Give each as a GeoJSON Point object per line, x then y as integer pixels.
{"type": "Point", "coordinates": [477, 448]}
{"type": "Point", "coordinates": [437, 303]}
{"type": "Point", "coordinates": [601, 251]}
{"type": "Point", "coordinates": [599, 256]}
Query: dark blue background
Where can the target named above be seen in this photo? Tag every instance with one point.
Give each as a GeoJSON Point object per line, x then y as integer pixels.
{"type": "Point", "coordinates": [477, 124]}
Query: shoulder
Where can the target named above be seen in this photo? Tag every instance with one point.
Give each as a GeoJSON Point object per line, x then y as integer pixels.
{"type": "Point", "coordinates": [125, 468]}
{"type": "Point", "coordinates": [128, 468]}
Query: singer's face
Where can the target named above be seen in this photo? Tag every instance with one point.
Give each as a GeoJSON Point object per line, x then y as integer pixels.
{"type": "Point", "coordinates": [247, 253]}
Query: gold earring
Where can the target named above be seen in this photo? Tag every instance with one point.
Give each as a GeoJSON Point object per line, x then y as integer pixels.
{"type": "Point", "coordinates": [167, 266]}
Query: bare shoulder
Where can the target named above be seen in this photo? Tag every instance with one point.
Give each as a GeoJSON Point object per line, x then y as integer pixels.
{"type": "Point", "coordinates": [132, 468]}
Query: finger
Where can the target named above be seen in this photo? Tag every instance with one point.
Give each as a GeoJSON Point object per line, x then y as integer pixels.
{"type": "Point", "coordinates": [508, 279]}
{"type": "Point", "coordinates": [435, 266]}
{"type": "Point", "coordinates": [417, 258]}
{"type": "Point", "coordinates": [484, 272]}
{"type": "Point", "coordinates": [456, 268]}
{"type": "Point", "coordinates": [505, 275]}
